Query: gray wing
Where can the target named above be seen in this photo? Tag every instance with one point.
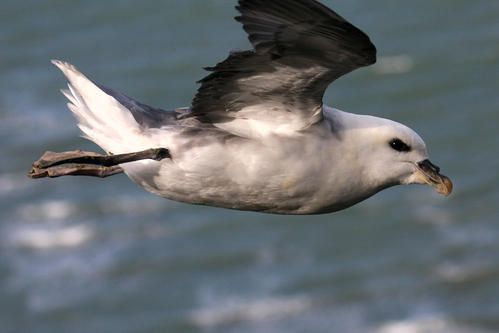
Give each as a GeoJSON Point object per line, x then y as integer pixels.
{"type": "Point", "coordinates": [300, 47]}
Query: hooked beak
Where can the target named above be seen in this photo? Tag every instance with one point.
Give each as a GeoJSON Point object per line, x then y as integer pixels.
{"type": "Point", "coordinates": [428, 173]}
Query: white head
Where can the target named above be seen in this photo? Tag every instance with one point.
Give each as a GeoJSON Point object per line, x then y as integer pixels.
{"type": "Point", "coordinates": [391, 153]}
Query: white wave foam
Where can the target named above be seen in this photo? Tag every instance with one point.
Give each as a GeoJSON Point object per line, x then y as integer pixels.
{"type": "Point", "coordinates": [466, 271]}
{"type": "Point", "coordinates": [131, 205]}
{"type": "Point", "coordinates": [425, 325]}
{"type": "Point", "coordinates": [426, 213]}
{"type": "Point", "coordinates": [398, 64]}
{"type": "Point", "coordinates": [233, 311]}
{"type": "Point", "coordinates": [42, 239]}
{"type": "Point", "coordinates": [12, 182]}
{"type": "Point", "coordinates": [48, 210]}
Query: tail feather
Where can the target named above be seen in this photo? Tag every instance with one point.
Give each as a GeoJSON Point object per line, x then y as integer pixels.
{"type": "Point", "coordinates": [101, 118]}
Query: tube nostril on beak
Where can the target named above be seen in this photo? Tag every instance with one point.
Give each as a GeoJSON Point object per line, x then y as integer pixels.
{"type": "Point", "coordinates": [427, 165]}
{"type": "Point", "coordinates": [436, 168]}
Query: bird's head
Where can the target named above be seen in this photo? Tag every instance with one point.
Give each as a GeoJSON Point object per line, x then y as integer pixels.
{"type": "Point", "coordinates": [396, 155]}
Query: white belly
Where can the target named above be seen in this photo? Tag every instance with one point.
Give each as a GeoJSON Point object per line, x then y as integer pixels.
{"type": "Point", "coordinates": [284, 176]}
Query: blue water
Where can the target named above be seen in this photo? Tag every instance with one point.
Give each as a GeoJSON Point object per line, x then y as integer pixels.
{"type": "Point", "coordinates": [87, 255]}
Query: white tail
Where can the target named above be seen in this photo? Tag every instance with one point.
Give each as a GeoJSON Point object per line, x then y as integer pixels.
{"type": "Point", "coordinates": [101, 117]}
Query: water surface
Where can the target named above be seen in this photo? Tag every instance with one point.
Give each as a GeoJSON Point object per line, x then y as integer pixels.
{"type": "Point", "coordinates": [86, 255]}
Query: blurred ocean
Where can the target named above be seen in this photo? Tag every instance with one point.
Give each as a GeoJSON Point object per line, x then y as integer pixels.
{"type": "Point", "coordinates": [86, 255]}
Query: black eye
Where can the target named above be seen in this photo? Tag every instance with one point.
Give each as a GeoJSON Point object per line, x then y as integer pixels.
{"type": "Point", "coordinates": [400, 146]}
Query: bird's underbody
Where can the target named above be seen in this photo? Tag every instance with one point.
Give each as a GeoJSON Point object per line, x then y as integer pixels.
{"type": "Point", "coordinates": [257, 135]}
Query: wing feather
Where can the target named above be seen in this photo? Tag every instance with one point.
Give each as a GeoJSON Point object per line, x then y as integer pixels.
{"type": "Point", "coordinates": [300, 47]}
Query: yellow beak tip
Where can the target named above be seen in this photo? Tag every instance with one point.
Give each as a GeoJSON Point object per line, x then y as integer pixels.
{"type": "Point", "coordinates": [445, 187]}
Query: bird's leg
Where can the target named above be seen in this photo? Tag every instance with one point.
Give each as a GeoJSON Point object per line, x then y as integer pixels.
{"type": "Point", "coordinates": [82, 163]}
{"type": "Point", "coordinates": [75, 170]}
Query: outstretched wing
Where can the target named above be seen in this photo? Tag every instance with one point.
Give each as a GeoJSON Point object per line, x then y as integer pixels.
{"type": "Point", "coordinates": [300, 47]}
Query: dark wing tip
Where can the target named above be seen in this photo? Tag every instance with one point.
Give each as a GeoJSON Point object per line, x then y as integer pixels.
{"type": "Point", "coordinates": [304, 26]}
{"type": "Point", "coordinates": [239, 18]}
{"type": "Point", "coordinates": [371, 53]}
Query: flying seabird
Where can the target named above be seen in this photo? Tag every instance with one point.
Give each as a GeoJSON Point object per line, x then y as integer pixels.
{"type": "Point", "coordinates": [257, 135]}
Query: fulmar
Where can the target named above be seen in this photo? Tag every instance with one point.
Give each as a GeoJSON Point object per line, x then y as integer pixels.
{"type": "Point", "coordinates": [257, 136]}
